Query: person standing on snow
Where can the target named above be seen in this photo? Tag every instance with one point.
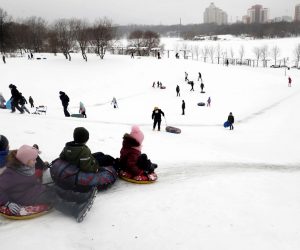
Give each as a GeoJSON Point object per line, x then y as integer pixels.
{"type": "Point", "coordinates": [289, 82]}
{"type": "Point", "coordinates": [202, 87]}
{"type": "Point", "coordinates": [192, 85]}
{"type": "Point", "coordinates": [65, 102]}
{"type": "Point", "coordinates": [183, 107]}
{"type": "Point", "coordinates": [177, 90]}
{"type": "Point", "coordinates": [156, 117]}
{"type": "Point", "coordinates": [230, 120]}
{"type": "Point", "coordinates": [31, 102]}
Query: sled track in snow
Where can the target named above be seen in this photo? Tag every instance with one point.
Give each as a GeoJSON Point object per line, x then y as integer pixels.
{"type": "Point", "coordinates": [176, 173]}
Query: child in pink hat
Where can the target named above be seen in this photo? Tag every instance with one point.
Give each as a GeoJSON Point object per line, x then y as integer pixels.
{"type": "Point", "coordinates": [134, 164]}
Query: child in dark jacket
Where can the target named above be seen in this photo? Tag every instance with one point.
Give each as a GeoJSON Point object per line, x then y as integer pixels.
{"type": "Point", "coordinates": [19, 187]}
{"type": "Point", "coordinates": [76, 152]}
{"type": "Point", "coordinates": [133, 163]}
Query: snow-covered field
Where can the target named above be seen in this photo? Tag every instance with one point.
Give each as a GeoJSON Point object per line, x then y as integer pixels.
{"type": "Point", "coordinates": [217, 189]}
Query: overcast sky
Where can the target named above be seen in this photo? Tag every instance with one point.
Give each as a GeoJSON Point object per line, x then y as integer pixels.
{"type": "Point", "coordinates": [140, 11]}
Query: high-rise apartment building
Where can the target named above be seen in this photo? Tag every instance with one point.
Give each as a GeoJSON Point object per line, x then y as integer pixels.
{"type": "Point", "coordinates": [297, 13]}
{"type": "Point", "coordinates": [212, 14]}
{"type": "Point", "coordinates": [258, 14]}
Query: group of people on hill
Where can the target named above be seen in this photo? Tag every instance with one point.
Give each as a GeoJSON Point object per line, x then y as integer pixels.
{"type": "Point", "coordinates": [20, 179]}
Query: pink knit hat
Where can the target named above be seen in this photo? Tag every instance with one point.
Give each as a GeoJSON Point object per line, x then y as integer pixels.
{"type": "Point", "coordinates": [137, 134]}
{"type": "Point", "coordinates": [26, 153]}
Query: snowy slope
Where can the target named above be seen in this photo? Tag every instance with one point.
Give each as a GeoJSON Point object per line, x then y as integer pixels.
{"type": "Point", "coordinates": [217, 189]}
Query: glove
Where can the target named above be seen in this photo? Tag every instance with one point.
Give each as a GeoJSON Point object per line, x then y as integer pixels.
{"type": "Point", "coordinates": [152, 176]}
{"type": "Point", "coordinates": [13, 208]}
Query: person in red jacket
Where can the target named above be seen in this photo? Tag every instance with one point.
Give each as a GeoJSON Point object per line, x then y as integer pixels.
{"type": "Point", "coordinates": [133, 163]}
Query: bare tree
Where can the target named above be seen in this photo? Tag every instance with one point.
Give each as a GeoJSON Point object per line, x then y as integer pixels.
{"type": "Point", "coordinates": [219, 52]}
{"type": "Point", "coordinates": [151, 40]}
{"type": "Point", "coordinates": [196, 51]}
{"type": "Point", "coordinates": [81, 33]}
{"type": "Point", "coordinates": [136, 40]}
{"type": "Point", "coordinates": [53, 44]}
{"type": "Point", "coordinates": [231, 53]}
{"type": "Point", "coordinates": [204, 53]}
{"type": "Point", "coordinates": [211, 52]}
{"type": "Point", "coordinates": [103, 33]}
{"type": "Point", "coordinates": [257, 54]}
{"type": "Point", "coordinates": [37, 30]}
{"type": "Point", "coordinates": [242, 53]}
{"type": "Point", "coordinates": [4, 31]}
{"type": "Point", "coordinates": [297, 55]}
{"type": "Point", "coordinates": [65, 36]}
{"type": "Point", "coordinates": [275, 51]}
{"type": "Point", "coordinates": [264, 54]}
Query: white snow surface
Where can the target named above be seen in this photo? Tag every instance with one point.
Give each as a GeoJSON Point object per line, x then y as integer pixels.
{"type": "Point", "coordinates": [216, 188]}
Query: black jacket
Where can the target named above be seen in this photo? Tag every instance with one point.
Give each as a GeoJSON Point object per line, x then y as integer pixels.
{"type": "Point", "coordinates": [15, 94]}
{"type": "Point", "coordinates": [230, 119]}
{"type": "Point", "coordinates": [156, 114]}
{"type": "Point", "coordinates": [64, 99]}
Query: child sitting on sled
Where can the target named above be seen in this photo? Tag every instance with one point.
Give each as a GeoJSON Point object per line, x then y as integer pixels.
{"type": "Point", "coordinates": [133, 164]}
{"type": "Point", "coordinates": [19, 187]}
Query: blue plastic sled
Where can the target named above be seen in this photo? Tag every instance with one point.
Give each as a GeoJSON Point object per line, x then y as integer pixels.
{"type": "Point", "coordinates": [226, 124]}
{"type": "Point", "coordinates": [8, 104]}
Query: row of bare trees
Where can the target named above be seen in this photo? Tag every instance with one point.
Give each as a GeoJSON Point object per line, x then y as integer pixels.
{"type": "Point", "coordinates": [64, 35]}
{"type": "Point", "coordinates": [262, 53]}
{"type": "Point", "coordinates": [143, 41]}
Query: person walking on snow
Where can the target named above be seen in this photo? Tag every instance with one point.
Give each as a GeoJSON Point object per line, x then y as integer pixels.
{"type": "Point", "coordinates": [65, 102]}
{"type": "Point", "coordinates": [199, 76]}
{"type": "Point", "coordinates": [22, 102]}
{"type": "Point", "coordinates": [202, 87]}
{"type": "Point", "coordinates": [156, 117]}
{"type": "Point", "coordinates": [15, 99]}
{"type": "Point", "coordinates": [289, 82]}
{"type": "Point", "coordinates": [31, 102]}
{"type": "Point", "coordinates": [183, 107]}
{"type": "Point", "coordinates": [114, 102]}
{"type": "Point", "coordinates": [186, 76]}
{"type": "Point", "coordinates": [230, 120]}
{"type": "Point", "coordinates": [208, 102]}
{"type": "Point", "coordinates": [192, 85]}
{"type": "Point", "coordinates": [177, 90]}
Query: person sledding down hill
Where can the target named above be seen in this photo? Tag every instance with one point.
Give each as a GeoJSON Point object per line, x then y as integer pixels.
{"type": "Point", "coordinates": [78, 169]}
{"type": "Point", "coordinates": [132, 163]}
{"type": "Point", "coordinates": [20, 188]}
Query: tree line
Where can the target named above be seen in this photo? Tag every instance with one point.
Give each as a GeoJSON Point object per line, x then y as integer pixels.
{"type": "Point", "coordinates": [34, 34]}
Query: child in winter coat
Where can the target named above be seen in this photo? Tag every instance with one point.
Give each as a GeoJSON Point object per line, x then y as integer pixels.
{"type": "Point", "coordinates": [78, 153]}
{"type": "Point", "coordinates": [19, 187]}
{"type": "Point", "coordinates": [133, 163]}
{"type": "Point", "coordinates": [82, 109]}
{"type": "Point", "coordinates": [2, 101]}
{"type": "Point", "coordinates": [4, 150]}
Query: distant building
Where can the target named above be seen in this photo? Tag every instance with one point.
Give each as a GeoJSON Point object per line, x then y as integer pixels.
{"type": "Point", "coordinates": [297, 13]}
{"type": "Point", "coordinates": [282, 19]}
{"type": "Point", "coordinates": [246, 19]}
{"type": "Point", "coordinates": [258, 14]}
{"type": "Point", "coordinates": [212, 14]}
